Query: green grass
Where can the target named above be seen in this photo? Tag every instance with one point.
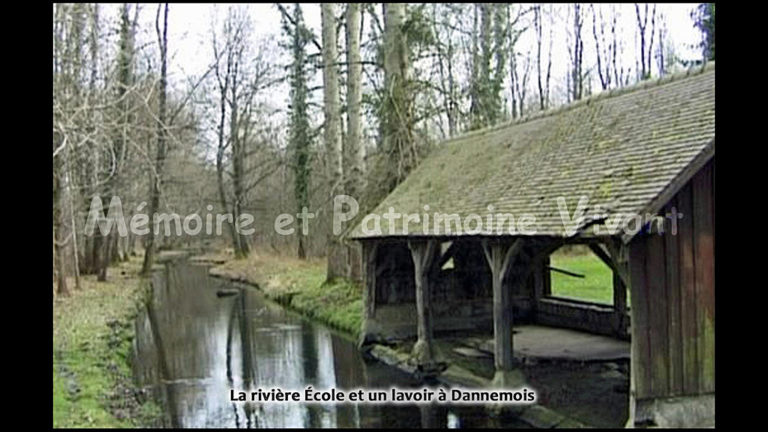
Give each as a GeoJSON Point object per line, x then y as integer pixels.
{"type": "Point", "coordinates": [596, 286]}
{"type": "Point", "coordinates": [92, 341]}
{"type": "Point", "coordinates": [300, 285]}
{"type": "Point", "coordinates": [338, 303]}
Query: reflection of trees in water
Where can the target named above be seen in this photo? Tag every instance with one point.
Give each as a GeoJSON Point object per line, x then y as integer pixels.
{"type": "Point", "coordinates": [186, 325]}
{"type": "Point", "coordinates": [303, 355]}
{"type": "Point", "coordinates": [230, 329]}
{"type": "Point", "coordinates": [349, 369]}
{"type": "Point", "coordinates": [309, 366]}
{"type": "Point", "coordinates": [162, 362]}
{"type": "Point", "coordinates": [252, 420]}
{"type": "Point", "coordinates": [239, 319]}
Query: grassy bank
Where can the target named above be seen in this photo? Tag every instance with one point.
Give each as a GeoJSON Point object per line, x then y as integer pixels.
{"type": "Point", "coordinates": [92, 340]}
{"type": "Point", "coordinates": [301, 286]}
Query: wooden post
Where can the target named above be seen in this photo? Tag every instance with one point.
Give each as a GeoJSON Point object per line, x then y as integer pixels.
{"type": "Point", "coordinates": [546, 289]}
{"type": "Point", "coordinates": [619, 305]}
{"type": "Point", "coordinates": [538, 286]}
{"type": "Point", "coordinates": [619, 257]}
{"type": "Point", "coordinates": [500, 257]}
{"type": "Point", "coordinates": [616, 259]}
{"type": "Point", "coordinates": [423, 252]}
{"type": "Point", "coordinates": [369, 249]}
{"type": "Point", "coordinates": [621, 251]}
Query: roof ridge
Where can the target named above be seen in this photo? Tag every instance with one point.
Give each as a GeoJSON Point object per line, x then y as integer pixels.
{"type": "Point", "coordinates": [640, 85]}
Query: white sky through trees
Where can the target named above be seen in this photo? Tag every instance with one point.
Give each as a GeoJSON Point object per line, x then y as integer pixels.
{"type": "Point", "coordinates": [191, 53]}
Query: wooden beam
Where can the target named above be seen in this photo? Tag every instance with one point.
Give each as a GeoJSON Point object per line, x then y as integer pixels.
{"type": "Point", "coordinates": [602, 254]}
{"type": "Point", "coordinates": [565, 272]}
{"type": "Point", "coordinates": [607, 258]}
{"type": "Point", "coordinates": [618, 255]}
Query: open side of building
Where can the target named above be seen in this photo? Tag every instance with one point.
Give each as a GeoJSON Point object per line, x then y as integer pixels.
{"type": "Point", "coordinates": [629, 173]}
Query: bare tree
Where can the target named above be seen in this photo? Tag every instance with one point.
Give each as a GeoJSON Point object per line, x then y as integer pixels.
{"type": "Point", "coordinates": [519, 75]}
{"type": "Point", "coordinates": [576, 53]}
{"type": "Point", "coordinates": [241, 72]}
{"type": "Point", "coordinates": [59, 140]}
{"type": "Point", "coordinates": [119, 139]}
{"type": "Point", "coordinates": [332, 136]}
{"type": "Point", "coordinates": [661, 51]}
{"type": "Point", "coordinates": [444, 27]}
{"type": "Point", "coordinates": [355, 150]}
{"type": "Point", "coordinates": [645, 35]}
{"type": "Point", "coordinates": [354, 142]}
{"type": "Point", "coordinates": [154, 203]}
{"type": "Point", "coordinates": [621, 75]}
{"type": "Point", "coordinates": [543, 79]}
{"type": "Point", "coordinates": [603, 49]}
{"type": "Point", "coordinates": [68, 68]}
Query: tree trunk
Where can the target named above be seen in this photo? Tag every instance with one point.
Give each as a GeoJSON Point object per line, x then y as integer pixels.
{"type": "Point", "coordinates": [220, 156]}
{"type": "Point", "coordinates": [356, 184]}
{"type": "Point", "coordinates": [299, 123]}
{"type": "Point", "coordinates": [161, 144]}
{"type": "Point", "coordinates": [336, 256]}
{"type": "Point", "coordinates": [104, 258]}
{"type": "Point", "coordinates": [238, 155]}
{"type": "Point", "coordinates": [58, 225]}
{"type": "Point", "coordinates": [72, 220]}
{"type": "Point", "coordinates": [397, 115]}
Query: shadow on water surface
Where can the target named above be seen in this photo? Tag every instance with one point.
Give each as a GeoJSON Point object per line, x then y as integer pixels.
{"type": "Point", "coordinates": [192, 347]}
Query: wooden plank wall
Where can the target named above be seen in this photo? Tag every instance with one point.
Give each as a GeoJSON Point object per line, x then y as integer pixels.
{"type": "Point", "coordinates": [673, 297]}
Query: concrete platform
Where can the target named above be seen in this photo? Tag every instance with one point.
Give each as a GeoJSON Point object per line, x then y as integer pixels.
{"type": "Point", "coordinates": [543, 342]}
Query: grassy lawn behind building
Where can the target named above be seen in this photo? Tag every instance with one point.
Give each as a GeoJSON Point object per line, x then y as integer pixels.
{"type": "Point", "coordinates": [597, 284]}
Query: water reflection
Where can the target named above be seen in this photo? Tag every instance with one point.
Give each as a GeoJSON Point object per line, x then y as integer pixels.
{"type": "Point", "coordinates": [193, 346]}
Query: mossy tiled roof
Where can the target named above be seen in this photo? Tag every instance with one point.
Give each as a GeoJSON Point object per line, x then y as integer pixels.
{"type": "Point", "coordinates": [620, 149]}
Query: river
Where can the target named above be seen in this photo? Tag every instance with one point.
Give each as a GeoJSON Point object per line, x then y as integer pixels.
{"type": "Point", "coordinates": [193, 346]}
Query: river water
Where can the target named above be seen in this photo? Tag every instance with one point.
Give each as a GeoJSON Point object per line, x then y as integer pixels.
{"type": "Point", "coordinates": [193, 346]}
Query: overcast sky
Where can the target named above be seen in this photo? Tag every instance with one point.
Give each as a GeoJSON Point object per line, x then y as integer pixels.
{"type": "Point", "coordinates": [191, 52]}
{"type": "Point", "coordinates": [190, 29]}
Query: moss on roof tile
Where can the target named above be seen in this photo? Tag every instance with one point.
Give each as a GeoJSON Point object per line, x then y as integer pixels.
{"type": "Point", "coordinates": [643, 136]}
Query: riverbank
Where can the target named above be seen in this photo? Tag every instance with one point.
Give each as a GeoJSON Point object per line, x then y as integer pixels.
{"type": "Point", "coordinates": [92, 343]}
{"type": "Point", "coordinates": [300, 285]}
